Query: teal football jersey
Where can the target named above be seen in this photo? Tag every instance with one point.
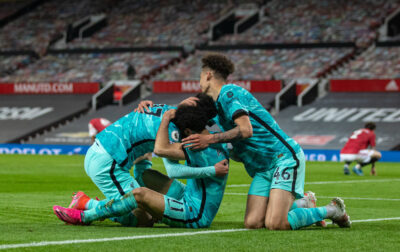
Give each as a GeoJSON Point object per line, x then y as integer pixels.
{"type": "Point", "coordinates": [134, 135]}
{"type": "Point", "coordinates": [268, 143]}
{"type": "Point", "coordinates": [211, 189]}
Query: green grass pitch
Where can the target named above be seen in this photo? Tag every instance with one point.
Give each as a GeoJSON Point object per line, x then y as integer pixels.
{"type": "Point", "coordinates": [31, 185]}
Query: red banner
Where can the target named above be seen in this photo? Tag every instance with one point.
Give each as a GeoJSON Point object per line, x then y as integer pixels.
{"type": "Point", "coordinates": [313, 140]}
{"type": "Point", "coordinates": [49, 88]}
{"type": "Point", "coordinates": [377, 85]}
{"type": "Point", "coordinates": [271, 86]}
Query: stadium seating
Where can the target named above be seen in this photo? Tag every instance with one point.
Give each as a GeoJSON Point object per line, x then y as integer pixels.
{"type": "Point", "coordinates": [138, 23]}
{"type": "Point", "coordinates": [9, 8]}
{"type": "Point", "coordinates": [381, 62]}
{"type": "Point", "coordinates": [316, 21]}
{"type": "Point", "coordinates": [262, 64]}
{"type": "Point", "coordinates": [328, 122]}
{"type": "Point", "coordinates": [9, 64]}
{"type": "Point", "coordinates": [37, 28]}
{"type": "Point", "coordinates": [90, 67]}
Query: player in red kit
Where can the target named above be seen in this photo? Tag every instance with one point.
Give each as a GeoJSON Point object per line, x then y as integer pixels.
{"type": "Point", "coordinates": [96, 125]}
{"type": "Point", "coordinates": [356, 149]}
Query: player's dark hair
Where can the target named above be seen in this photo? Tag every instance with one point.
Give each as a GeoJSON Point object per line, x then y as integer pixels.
{"type": "Point", "coordinates": [220, 64]}
{"type": "Point", "coordinates": [207, 104]}
{"type": "Point", "coordinates": [370, 125]}
{"type": "Point", "coordinates": [196, 117]}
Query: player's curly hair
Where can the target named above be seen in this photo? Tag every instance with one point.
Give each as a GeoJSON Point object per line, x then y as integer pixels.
{"type": "Point", "coordinates": [370, 125]}
{"type": "Point", "coordinates": [207, 104]}
{"type": "Point", "coordinates": [220, 64]}
{"type": "Point", "coordinates": [196, 117]}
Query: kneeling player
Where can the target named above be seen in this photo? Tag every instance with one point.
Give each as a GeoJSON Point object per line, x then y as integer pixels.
{"type": "Point", "coordinates": [202, 194]}
{"type": "Point", "coordinates": [356, 149]}
{"type": "Point", "coordinates": [109, 160]}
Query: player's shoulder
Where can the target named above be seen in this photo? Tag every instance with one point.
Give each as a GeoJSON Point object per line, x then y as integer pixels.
{"type": "Point", "coordinates": [232, 91]}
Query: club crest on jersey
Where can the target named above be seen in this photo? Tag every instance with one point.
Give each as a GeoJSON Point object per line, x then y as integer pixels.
{"type": "Point", "coordinates": [229, 94]}
{"type": "Point", "coordinates": [175, 135]}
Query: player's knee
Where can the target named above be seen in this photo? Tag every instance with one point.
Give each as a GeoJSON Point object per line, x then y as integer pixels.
{"type": "Point", "coordinates": [140, 193]}
{"type": "Point", "coordinates": [377, 155]}
{"type": "Point", "coordinates": [253, 223]}
{"type": "Point", "coordinates": [276, 225]}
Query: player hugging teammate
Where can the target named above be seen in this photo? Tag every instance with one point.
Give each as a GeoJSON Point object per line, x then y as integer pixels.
{"type": "Point", "coordinates": [276, 198]}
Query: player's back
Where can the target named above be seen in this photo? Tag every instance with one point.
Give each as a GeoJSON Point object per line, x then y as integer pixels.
{"type": "Point", "coordinates": [207, 192]}
{"type": "Point", "coordinates": [359, 140]}
{"type": "Point", "coordinates": [132, 135]}
{"type": "Point", "coordinates": [268, 143]}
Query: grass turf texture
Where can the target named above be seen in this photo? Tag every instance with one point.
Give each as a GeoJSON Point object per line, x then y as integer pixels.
{"type": "Point", "coordinates": [30, 185]}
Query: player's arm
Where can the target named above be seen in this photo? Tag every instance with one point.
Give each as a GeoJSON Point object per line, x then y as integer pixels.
{"type": "Point", "coordinates": [179, 171]}
{"type": "Point", "coordinates": [242, 130]}
{"type": "Point", "coordinates": [162, 146]}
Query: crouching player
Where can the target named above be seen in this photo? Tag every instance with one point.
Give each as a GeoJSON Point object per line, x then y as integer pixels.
{"type": "Point", "coordinates": [202, 194]}
{"type": "Point", "coordinates": [109, 160]}
{"type": "Point", "coordinates": [356, 149]}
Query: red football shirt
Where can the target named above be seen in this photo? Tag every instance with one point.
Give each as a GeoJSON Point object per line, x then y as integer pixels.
{"type": "Point", "coordinates": [98, 124]}
{"type": "Point", "coordinates": [359, 140]}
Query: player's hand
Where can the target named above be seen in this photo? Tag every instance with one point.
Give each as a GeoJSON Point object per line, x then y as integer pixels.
{"type": "Point", "coordinates": [144, 105]}
{"type": "Point", "coordinates": [191, 101]}
{"type": "Point", "coordinates": [197, 141]}
{"type": "Point", "coordinates": [221, 168]}
{"type": "Point", "coordinates": [169, 115]}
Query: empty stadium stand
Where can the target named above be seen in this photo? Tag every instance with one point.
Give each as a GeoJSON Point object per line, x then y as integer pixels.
{"type": "Point", "coordinates": [76, 132]}
{"type": "Point", "coordinates": [328, 122]}
{"type": "Point", "coordinates": [22, 116]}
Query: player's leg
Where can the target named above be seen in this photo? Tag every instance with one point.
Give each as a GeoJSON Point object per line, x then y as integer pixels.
{"type": "Point", "coordinates": [371, 156]}
{"type": "Point", "coordinates": [163, 184]}
{"type": "Point", "coordinates": [346, 169]}
{"type": "Point", "coordinates": [255, 211]}
{"type": "Point", "coordinates": [302, 217]}
{"type": "Point", "coordinates": [280, 201]}
{"type": "Point", "coordinates": [347, 159]}
{"type": "Point", "coordinates": [144, 198]}
{"type": "Point", "coordinates": [112, 180]}
{"type": "Point", "coordinates": [364, 158]}
{"type": "Point", "coordinates": [287, 184]}
{"type": "Point", "coordinates": [257, 201]}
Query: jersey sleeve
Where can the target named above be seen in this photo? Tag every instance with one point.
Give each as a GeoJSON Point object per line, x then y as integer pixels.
{"type": "Point", "coordinates": [179, 171]}
{"type": "Point", "coordinates": [232, 105]}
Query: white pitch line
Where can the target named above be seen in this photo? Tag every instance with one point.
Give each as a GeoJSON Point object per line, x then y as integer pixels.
{"type": "Point", "coordinates": [357, 198]}
{"type": "Point", "coordinates": [372, 220]}
{"type": "Point", "coordinates": [380, 219]}
{"type": "Point", "coordinates": [48, 243]}
{"type": "Point", "coordinates": [331, 197]}
{"type": "Point", "coordinates": [333, 182]}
